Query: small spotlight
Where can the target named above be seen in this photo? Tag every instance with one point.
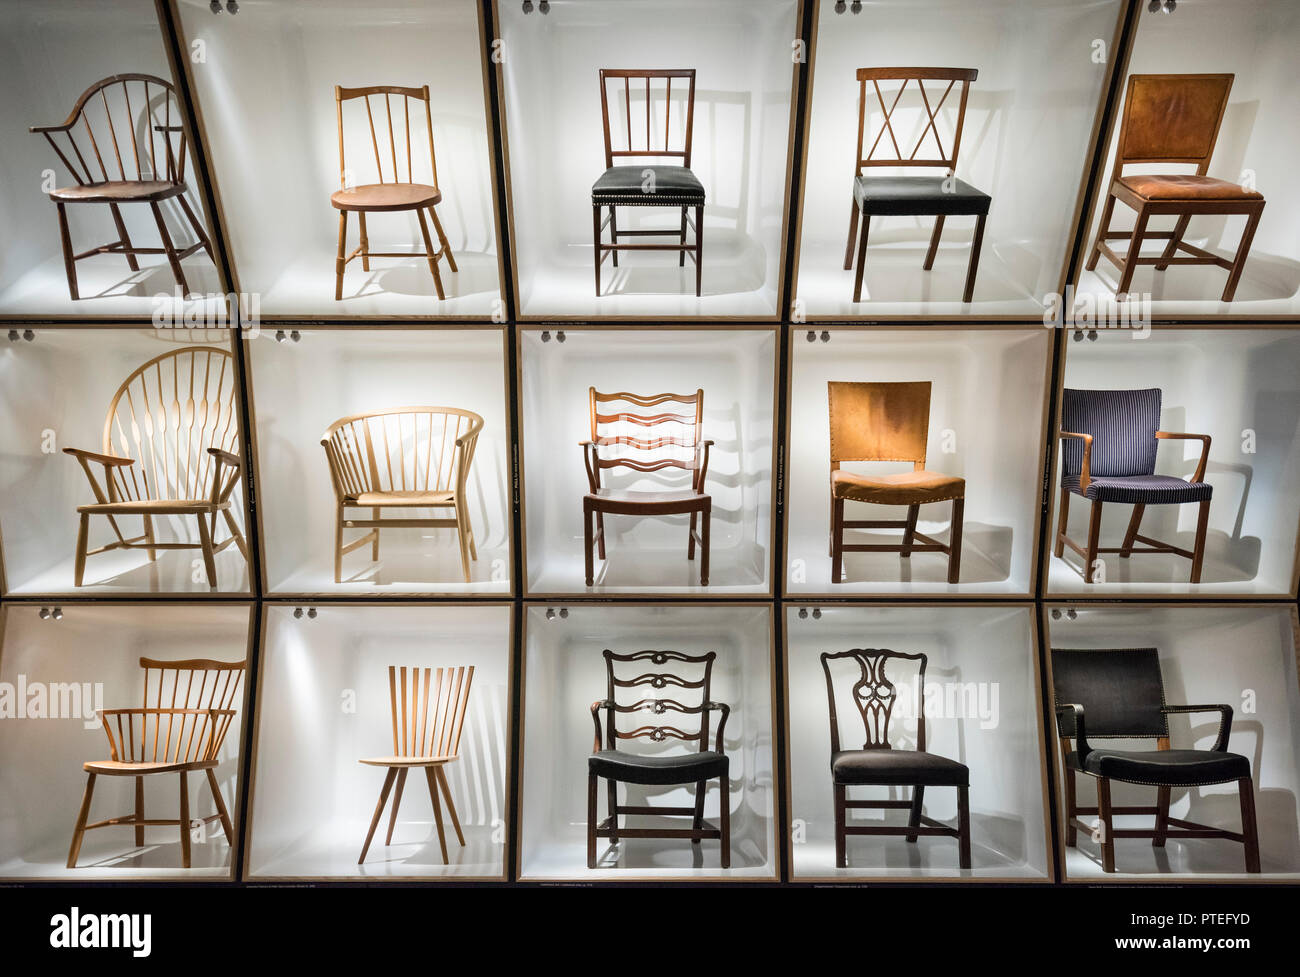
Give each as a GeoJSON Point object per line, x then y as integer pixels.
{"type": "Point", "coordinates": [528, 6]}
{"type": "Point", "coordinates": [1153, 7]}
{"type": "Point", "coordinates": [840, 6]}
{"type": "Point", "coordinates": [295, 335]}
{"type": "Point", "coordinates": [1092, 335]}
{"type": "Point", "coordinates": [826, 336]}
{"type": "Point", "coordinates": [564, 612]}
{"type": "Point", "coordinates": [232, 6]}
{"type": "Point", "coordinates": [546, 335]}
{"type": "Point", "coordinates": [803, 613]}
{"type": "Point", "coordinates": [817, 613]}
{"type": "Point", "coordinates": [1171, 6]}
{"type": "Point", "coordinates": [857, 6]}
{"type": "Point", "coordinates": [544, 6]}
{"type": "Point", "coordinates": [1078, 335]}
{"type": "Point", "coordinates": [215, 6]}
{"type": "Point", "coordinates": [1056, 613]}
{"type": "Point", "coordinates": [311, 613]}
{"type": "Point", "coordinates": [28, 335]}
{"type": "Point", "coordinates": [14, 336]}
{"type": "Point", "coordinates": [1071, 613]}
{"type": "Point", "coordinates": [812, 335]}
{"type": "Point", "coordinates": [559, 335]}
{"type": "Point", "coordinates": [58, 614]}
{"type": "Point", "coordinates": [279, 335]}
{"type": "Point", "coordinates": [297, 612]}
{"type": "Point", "coordinates": [44, 614]}
{"type": "Point", "coordinates": [550, 614]}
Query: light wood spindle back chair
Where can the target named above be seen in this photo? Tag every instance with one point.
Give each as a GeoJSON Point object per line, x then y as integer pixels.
{"type": "Point", "coordinates": [188, 710]}
{"type": "Point", "coordinates": [391, 194]}
{"type": "Point", "coordinates": [144, 165]}
{"type": "Point", "coordinates": [403, 458]}
{"type": "Point", "coordinates": [170, 448]}
{"type": "Point", "coordinates": [425, 734]}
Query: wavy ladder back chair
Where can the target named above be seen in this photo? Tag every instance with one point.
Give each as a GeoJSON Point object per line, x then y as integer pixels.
{"type": "Point", "coordinates": [633, 439]}
{"type": "Point", "coordinates": [658, 769]}
{"type": "Point", "coordinates": [940, 195]}
{"type": "Point", "coordinates": [880, 764]}
{"type": "Point", "coordinates": [658, 185]}
{"type": "Point", "coordinates": [1119, 693]}
{"type": "Point", "coordinates": [188, 709]}
{"type": "Point", "coordinates": [144, 165]}
{"type": "Point", "coordinates": [1173, 119]}
{"type": "Point", "coordinates": [171, 448]}
{"type": "Point", "coordinates": [402, 458]}
{"type": "Point", "coordinates": [888, 422]}
{"type": "Point", "coordinates": [391, 194]}
{"type": "Point", "coordinates": [425, 734]}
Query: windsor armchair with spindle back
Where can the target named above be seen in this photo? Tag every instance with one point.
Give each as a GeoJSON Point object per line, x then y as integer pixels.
{"type": "Point", "coordinates": [624, 435]}
{"type": "Point", "coordinates": [424, 735]}
{"type": "Point", "coordinates": [658, 769]}
{"type": "Point", "coordinates": [188, 710]}
{"type": "Point", "coordinates": [145, 166]}
{"type": "Point", "coordinates": [170, 448]}
{"type": "Point", "coordinates": [403, 458]}
{"type": "Point", "coordinates": [391, 194]}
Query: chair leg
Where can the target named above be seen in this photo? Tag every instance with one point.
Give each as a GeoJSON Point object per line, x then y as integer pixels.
{"type": "Point", "coordinates": [1071, 811]}
{"type": "Point", "coordinates": [954, 540]}
{"type": "Point", "coordinates": [588, 531]}
{"type": "Point", "coordinates": [432, 778]}
{"type": "Point", "coordinates": [1107, 826]}
{"type": "Point", "coordinates": [611, 801]}
{"type": "Point", "coordinates": [1102, 231]}
{"type": "Point", "coordinates": [173, 257]}
{"type": "Point", "coordinates": [79, 831]}
{"type": "Point", "coordinates": [240, 542]}
{"type": "Point", "coordinates": [123, 238]}
{"type": "Point", "coordinates": [199, 232]}
{"type": "Point", "coordinates": [909, 531]}
{"type": "Point", "coordinates": [1202, 526]}
{"type": "Point", "coordinates": [681, 258]}
{"type": "Point", "coordinates": [914, 816]}
{"type": "Point", "coordinates": [1162, 817]}
{"type": "Point", "coordinates": [148, 537]}
{"type": "Point", "coordinates": [591, 815]}
{"type": "Point", "coordinates": [69, 259]}
{"type": "Point", "coordinates": [209, 557]}
{"type": "Point", "coordinates": [1246, 790]}
{"type": "Point", "coordinates": [365, 241]}
{"type": "Point", "coordinates": [600, 534]}
{"type": "Point", "coordinates": [83, 534]}
{"type": "Point", "coordinates": [397, 802]}
{"type": "Point", "coordinates": [340, 262]}
{"type": "Point", "coordinates": [451, 805]}
{"type": "Point", "coordinates": [463, 537]}
{"type": "Point", "coordinates": [934, 243]}
{"type": "Point", "coordinates": [185, 819]}
{"type": "Point", "coordinates": [841, 860]}
{"type": "Point", "coordinates": [862, 257]}
{"type": "Point", "coordinates": [595, 237]}
{"type": "Point", "coordinates": [1062, 522]}
{"type": "Point", "coordinates": [837, 540]}
{"type": "Point", "coordinates": [724, 820]}
{"type": "Point", "coordinates": [613, 234]}
{"type": "Point", "coordinates": [963, 827]}
{"type": "Point", "coordinates": [222, 813]}
{"type": "Point", "coordinates": [690, 537]}
{"type": "Point", "coordinates": [139, 811]}
{"type": "Point", "coordinates": [338, 547]}
{"type": "Point", "coordinates": [379, 810]}
{"type": "Point", "coordinates": [1126, 548]}
{"type": "Point", "coordinates": [432, 257]}
{"type": "Point", "coordinates": [1172, 247]}
{"type": "Point", "coordinates": [1243, 251]}
{"type": "Point", "coordinates": [699, 249]}
{"type": "Point", "coordinates": [973, 268]}
{"type": "Point", "coordinates": [442, 239]}
{"type": "Point", "coordinates": [697, 822]}
{"type": "Point", "coordinates": [853, 235]}
{"type": "Point", "coordinates": [706, 517]}
{"type": "Point", "coordinates": [1131, 255]}
{"type": "Point", "coordinates": [1094, 538]}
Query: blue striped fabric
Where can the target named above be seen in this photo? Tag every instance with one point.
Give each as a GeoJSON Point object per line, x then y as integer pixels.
{"type": "Point", "coordinates": [1123, 425]}
{"type": "Point", "coordinates": [1142, 489]}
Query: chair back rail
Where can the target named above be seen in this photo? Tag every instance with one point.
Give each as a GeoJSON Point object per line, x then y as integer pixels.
{"type": "Point", "coordinates": [628, 435]}
{"type": "Point", "coordinates": [630, 86]}
{"type": "Point", "coordinates": [191, 683]}
{"type": "Point", "coordinates": [382, 121]}
{"type": "Point", "coordinates": [879, 421]}
{"type": "Point", "coordinates": [402, 449]}
{"type": "Point", "coordinates": [931, 101]}
{"type": "Point", "coordinates": [657, 679]}
{"type": "Point", "coordinates": [424, 728]}
{"type": "Point", "coordinates": [873, 695]}
{"type": "Point", "coordinates": [166, 735]}
{"type": "Point", "coordinates": [1172, 119]}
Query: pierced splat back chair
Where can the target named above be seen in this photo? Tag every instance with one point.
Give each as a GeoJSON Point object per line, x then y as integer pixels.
{"type": "Point", "coordinates": [658, 769]}
{"type": "Point", "coordinates": [144, 166]}
{"type": "Point", "coordinates": [879, 764]}
{"type": "Point", "coordinates": [187, 712]}
{"type": "Point", "coordinates": [426, 735]}
{"type": "Point", "coordinates": [171, 448]}
{"type": "Point", "coordinates": [391, 194]}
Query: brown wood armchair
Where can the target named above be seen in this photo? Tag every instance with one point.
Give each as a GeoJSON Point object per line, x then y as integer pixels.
{"type": "Point", "coordinates": [888, 422]}
{"type": "Point", "coordinates": [181, 727]}
{"type": "Point", "coordinates": [1173, 119]}
{"type": "Point", "coordinates": [149, 169]}
{"type": "Point", "coordinates": [170, 448]}
{"type": "Point", "coordinates": [617, 426]}
{"type": "Point", "coordinates": [617, 766]}
{"type": "Point", "coordinates": [392, 195]}
{"type": "Point", "coordinates": [424, 737]}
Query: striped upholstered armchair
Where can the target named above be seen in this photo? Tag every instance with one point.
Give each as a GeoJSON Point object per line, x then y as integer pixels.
{"type": "Point", "coordinates": [1108, 454]}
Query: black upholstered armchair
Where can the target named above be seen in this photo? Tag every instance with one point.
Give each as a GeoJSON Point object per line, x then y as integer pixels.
{"type": "Point", "coordinates": [657, 769]}
{"type": "Point", "coordinates": [1119, 694]}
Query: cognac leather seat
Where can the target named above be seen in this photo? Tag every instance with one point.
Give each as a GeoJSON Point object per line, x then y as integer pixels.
{"type": "Point", "coordinates": [910, 195]}
{"type": "Point", "coordinates": [1189, 187]}
{"type": "Point", "coordinates": [118, 191]}
{"type": "Point", "coordinates": [632, 768]}
{"type": "Point", "coordinates": [1163, 768]}
{"type": "Point", "coordinates": [393, 499]}
{"type": "Point", "coordinates": [627, 186]}
{"type": "Point", "coordinates": [386, 196]}
{"type": "Point", "coordinates": [1141, 489]}
{"type": "Point", "coordinates": [884, 766]}
{"type": "Point", "coordinates": [905, 488]}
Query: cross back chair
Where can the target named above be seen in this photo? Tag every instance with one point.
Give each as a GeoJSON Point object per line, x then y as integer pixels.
{"type": "Point", "coordinates": [892, 196]}
{"type": "Point", "coordinates": [170, 448]}
{"type": "Point", "coordinates": [391, 194]}
{"type": "Point", "coordinates": [658, 769]}
{"type": "Point", "coordinates": [888, 422]}
{"type": "Point", "coordinates": [1108, 454]}
{"type": "Point", "coordinates": [880, 764]}
{"type": "Point", "coordinates": [402, 458]}
{"type": "Point", "coordinates": [145, 166]}
{"type": "Point", "coordinates": [635, 440]}
{"type": "Point", "coordinates": [188, 708]}
{"type": "Point", "coordinates": [1173, 119]}
{"type": "Point", "coordinates": [659, 185]}
{"type": "Point", "coordinates": [425, 735]}
{"type": "Point", "coordinates": [1118, 693]}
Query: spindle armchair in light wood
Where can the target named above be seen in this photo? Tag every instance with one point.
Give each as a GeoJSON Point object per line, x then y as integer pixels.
{"type": "Point", "coordinates": [170, 448]}
{"type": "Point", "coordinates": [187, 712]}
{"type": "Point", "coordinates": [149, 168]}
{"type": "Point", "coordinates": [389, 195]}
{"type": "Point", "coordinates": [402, 458]}
{"type": "Point", "coordinates": [424, 736]}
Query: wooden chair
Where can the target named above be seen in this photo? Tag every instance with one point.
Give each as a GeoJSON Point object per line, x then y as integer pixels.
{"type": "Point", "coordinates": [148, 168]}
{"type": "Point", "coordinates": [616, 424]}
{"type": "Point", "coordinates": [1173, 119]}
{"type": "Point", "coordinates": [1108, 454]}
{"type": "Point", "coordinates": [942, 196]}
{"type": "Point", "coordinates": [647, 186]}
{"type": "Point", "coordinates": [402, 458]}
{"type": "Point", "coordinates": [423, 738]}
{"type": "Point", "coordinates": [879, 764]}
{"type": "Point", "coordinates": [888, 422]}
{"type": "Point", "coordinates": [170, 448]}
{"type": "Point", "coordinates": [658, 769]}
{"type": "Point", "coordinates": [1118, 693]}
{"type": "Point", "coordinates": [388, 195]}
{"type": "Point", "coordinates": [187, 712]}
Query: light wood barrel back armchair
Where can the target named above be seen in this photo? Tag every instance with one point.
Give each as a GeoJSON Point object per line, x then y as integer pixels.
{"type": "Point", "coordinates": [170, 448]}
{"type": "Point", "coordinates": [405, 458]}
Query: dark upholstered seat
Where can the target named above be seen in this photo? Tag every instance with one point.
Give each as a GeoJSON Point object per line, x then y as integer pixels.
{"type": "Point", "coordinates": [681, 768]}
{"type": "Point", "coordinates": [1163, 768]}
{"type": "Point", "coordinates": [911, 767]}
{"type": "Point", "coordinates": [911, 195]}
{"type": "Point", "coordinates": [629, 186]}
{"type": "Point", "coordinates": [1141, 489]}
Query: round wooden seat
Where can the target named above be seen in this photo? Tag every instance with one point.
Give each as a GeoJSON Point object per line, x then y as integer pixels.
{"type": "Point", "coordinates": [386, 196]}
{"type": "Point", "coordinates": [118, 191]}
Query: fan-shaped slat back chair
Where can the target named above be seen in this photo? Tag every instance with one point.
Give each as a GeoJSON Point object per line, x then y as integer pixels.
{"type": "Point", "coordinates": [117, 143]}
{"type": "Point", "coordinates": [170, 448]}
{"type": "Point", "coordinates": [658, 769]}
{"type": "Point", "coordinates": [624, 434]}
{"type": "Point", "coordinates": [402, 458]}
{"type": "Point", "coordinates": [428, 717]}
{"type": "Point", "coordinates": [188, 709]}
{"type": "Point", "coordinates": [391, 194]}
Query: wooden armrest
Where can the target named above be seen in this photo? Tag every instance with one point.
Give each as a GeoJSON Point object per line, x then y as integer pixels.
{"type": "Point", "coordinates": [1081, 747]}
{"type": "Point", "coordinates": [595, 721]}
{"type": "Point", "coordinates": [1225, 721]}
{"type": "Point", "coordinates": [226, 457]}
{"type": "Point", "coordinates": [60, 128]}
{"type": "Point", "coordinates": [1199, 475]}
{"type": "Point", "coordinates": [95, 456]}
{"type": "Point", "coordinates": [722, 723]}
{"type": "Point", "coordinates": [1085, 469]}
